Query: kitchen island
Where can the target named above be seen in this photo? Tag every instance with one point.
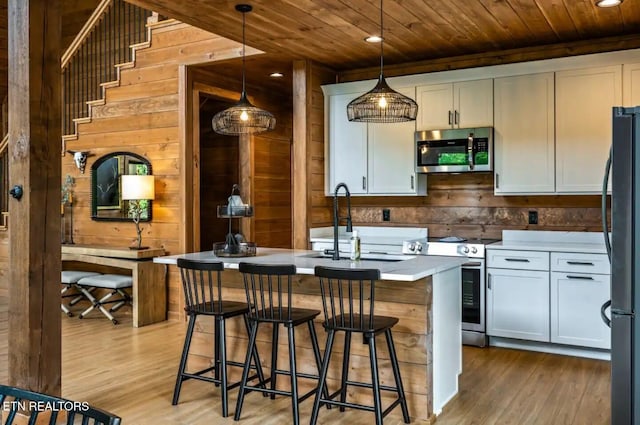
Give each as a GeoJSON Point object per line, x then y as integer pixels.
{"type": "Point", "coordinates": [423, 292]}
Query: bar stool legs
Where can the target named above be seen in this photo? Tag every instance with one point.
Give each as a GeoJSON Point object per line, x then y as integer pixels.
{"type": "Point", "coordinates": [294, 376]}
{"type": "Point", "coordinates": [274, 358]}
{"type": "Point", "coordinates": [323, 376]}
{"type": "Point", "coordinates": [345, 369]}
{"type": "Point", "coordinates": [396, 375]}
{"type": "Point", "coordinates": [375, 379]}
{"type": "Point", "coordinates": [183, 359]}
{"type": "Point", "coordinates": [219, 367]}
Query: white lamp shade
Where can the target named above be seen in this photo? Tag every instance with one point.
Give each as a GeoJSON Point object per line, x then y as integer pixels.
{"type": "Point", "coordinates": [136, 187]}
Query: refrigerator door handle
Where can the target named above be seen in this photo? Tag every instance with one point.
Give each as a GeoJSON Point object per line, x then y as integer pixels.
{"type": "Point", "coordinates": [603, 315]}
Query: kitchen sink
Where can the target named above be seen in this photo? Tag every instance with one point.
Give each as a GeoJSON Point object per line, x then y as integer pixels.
{"type": "Point", "coordinates": [390, 258]}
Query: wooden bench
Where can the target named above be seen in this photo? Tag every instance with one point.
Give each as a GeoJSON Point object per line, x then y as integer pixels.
{"type": "Point", "coordinates": [149, 291]}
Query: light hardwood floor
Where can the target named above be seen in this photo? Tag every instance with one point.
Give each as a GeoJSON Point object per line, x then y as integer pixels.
{"type": "Point", "coordinates": [132, 372]}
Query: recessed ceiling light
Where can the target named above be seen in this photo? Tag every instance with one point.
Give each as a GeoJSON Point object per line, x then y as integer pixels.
{"type": "Point", "coordinates": [373, 39]}
{"type": "Point", "coordinates": [608, 3]}
{"type": "Point", "coordinates": [276, 74]}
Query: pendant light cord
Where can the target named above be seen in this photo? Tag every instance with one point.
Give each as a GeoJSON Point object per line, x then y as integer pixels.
{"type": "Point", "coordinates": [381, 42]}
{"type": "Point", "coordinates": [244, 14]}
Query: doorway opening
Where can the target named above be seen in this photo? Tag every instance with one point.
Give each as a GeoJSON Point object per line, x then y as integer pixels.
{"type": "Point", "coordinates": [219, 171]}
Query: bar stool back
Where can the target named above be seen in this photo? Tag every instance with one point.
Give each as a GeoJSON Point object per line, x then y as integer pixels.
{"type": "Point", "coordinates": [269, 294]}
{"type": "Point", "coordinates": [348, 301]}
{"type": "Point", "coordinates": [202, 285]}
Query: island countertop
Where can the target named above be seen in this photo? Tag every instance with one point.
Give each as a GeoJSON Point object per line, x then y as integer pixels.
{"type": "Point", "coordinates": [406, 268]}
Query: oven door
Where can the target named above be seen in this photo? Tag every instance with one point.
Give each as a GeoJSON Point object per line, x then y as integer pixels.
{"type": "Point", "coordinates": [473, 295]}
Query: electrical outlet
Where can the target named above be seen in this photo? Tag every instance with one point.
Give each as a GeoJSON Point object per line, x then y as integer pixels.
{"type": "Point", "coordinates": [386, 215]}
{"type": "Point", "coordinates": [533, 217]}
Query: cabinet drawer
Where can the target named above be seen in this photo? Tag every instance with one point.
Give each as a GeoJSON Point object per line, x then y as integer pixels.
{"type": "Point", "coordinates": [580, 263]}
{"type": "Point", "coordinates": [519, 260]}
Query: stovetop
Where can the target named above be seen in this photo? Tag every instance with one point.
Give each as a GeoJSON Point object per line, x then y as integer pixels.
{"type": "Point", "coordinates": [450, 246]}
{"type": "Point", "coordinates": [450, 239]}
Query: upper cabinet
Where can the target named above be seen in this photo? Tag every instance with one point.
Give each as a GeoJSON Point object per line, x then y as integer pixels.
{"type": "Point", "coordinates": [524, 134]}
{"type": "Point", "coordinates": [455, 105]}
{"type": "Point", "coordinates": [584, 99]}
{"type": "Point", "coordinates": [372, 159]}
{"type": "Point", "coordinates": [347, 146]}
{"type": "Point", "coordinates": [631, 84]}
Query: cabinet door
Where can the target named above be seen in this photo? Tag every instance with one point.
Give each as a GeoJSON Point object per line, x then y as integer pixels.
{"type": "Point", "coordinates": [584, 99]}
{"type": "Point", "coordinates": [473, 104]}
{"type": "Point", "coordinates": [391, 156]}
{"type": "Point", "coordinates": [631, 84]}
{"type": "Point", "coordinates": [575, 309]}
{"type": "Point", "coordinates": [518, 304]}
{"type": "Point", "coordinates": [524, 134]}
{"type": "Point", "coordinates": [435, 106]}
{"type": "Point", "coordinates": [347, 146]}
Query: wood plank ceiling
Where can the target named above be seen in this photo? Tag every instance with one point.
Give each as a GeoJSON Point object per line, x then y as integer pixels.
{"type": "Point", "coordinates": [331, 32]}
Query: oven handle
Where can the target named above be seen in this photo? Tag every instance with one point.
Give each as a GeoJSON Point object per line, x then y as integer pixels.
{"type": "Point", "coordinates": [472, 264]}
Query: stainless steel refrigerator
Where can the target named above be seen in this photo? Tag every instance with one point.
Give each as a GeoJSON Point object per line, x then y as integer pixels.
{"type": "Point", "coordinates": [625, 267]}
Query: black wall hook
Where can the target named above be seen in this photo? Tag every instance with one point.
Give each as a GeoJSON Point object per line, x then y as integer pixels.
{"type": "Point", "coordinates": [16, 192]}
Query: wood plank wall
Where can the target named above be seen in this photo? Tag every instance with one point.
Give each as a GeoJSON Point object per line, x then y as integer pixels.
{"type": "Point", "coordinates": [464, 205]}
{"type": "Point", "coordinates": [319, 205]}
{"type": "Point", "coordinates": [271, 189]}
{"type": "Point", "coordinates": [142, 116]}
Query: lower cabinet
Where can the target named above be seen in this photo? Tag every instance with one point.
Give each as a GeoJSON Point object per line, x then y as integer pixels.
{"type": "Point", "coordinates": [575, 309]}
{"type": "Point", "coordinates": [518, 304]}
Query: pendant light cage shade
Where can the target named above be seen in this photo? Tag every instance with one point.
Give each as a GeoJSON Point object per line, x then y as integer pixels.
{"type": "Point", "coordinates": [382, 104]}
{"type": "Point", "coordinates": [243, 117]}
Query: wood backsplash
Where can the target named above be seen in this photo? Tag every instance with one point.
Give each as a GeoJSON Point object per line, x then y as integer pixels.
{"type": "Point", "coordinates": [464, 205]}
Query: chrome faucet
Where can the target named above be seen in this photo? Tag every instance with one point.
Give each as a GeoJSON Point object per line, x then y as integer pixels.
{"type": "Point", "coordinates": [336, 218]}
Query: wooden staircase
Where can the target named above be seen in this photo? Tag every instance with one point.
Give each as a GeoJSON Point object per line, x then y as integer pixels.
{"type": "Point", "coordinates": [106, 45]}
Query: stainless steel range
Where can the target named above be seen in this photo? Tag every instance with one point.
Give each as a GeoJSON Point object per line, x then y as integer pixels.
{"type": "Point", "coordinates": [473, 279]}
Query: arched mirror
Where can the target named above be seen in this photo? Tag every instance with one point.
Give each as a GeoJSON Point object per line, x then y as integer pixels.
{"type": "Point", "coordinates": [106, 190]}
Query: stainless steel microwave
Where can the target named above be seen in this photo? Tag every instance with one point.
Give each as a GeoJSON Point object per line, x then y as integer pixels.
{"type": "Point", "coordinates": [454, 150]}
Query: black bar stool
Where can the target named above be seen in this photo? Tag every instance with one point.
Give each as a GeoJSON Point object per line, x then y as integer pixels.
{"type": "Point", "coordinates": [268, 289]}
{"type": "Point", "coordinates": [349, 307]}
{"type": "Point", "coordinates": [202, 286]}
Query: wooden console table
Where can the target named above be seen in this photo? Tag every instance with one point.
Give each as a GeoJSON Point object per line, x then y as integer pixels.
{"type": "Point", "coordinates": [149, 278]}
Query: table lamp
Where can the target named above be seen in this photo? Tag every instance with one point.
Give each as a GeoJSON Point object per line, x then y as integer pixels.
{"type": "Point", "coordinates": [136, 188]}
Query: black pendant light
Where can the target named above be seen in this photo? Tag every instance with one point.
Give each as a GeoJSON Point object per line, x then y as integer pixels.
{"type": "Point", "coordinates": [243, 117]}
{"type": "Point", "coordinates": [382, 104]}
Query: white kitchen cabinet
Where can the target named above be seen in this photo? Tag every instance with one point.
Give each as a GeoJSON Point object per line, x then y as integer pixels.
{"type": "Point", "coordinates": [575, 309]}
{"type": "Point", "coordinates": [524, 134]}
{"type": "Point", "coordinates": [580, 284]}
{"type": "Point", "coordinates": [372, 159]}
{"type": "Point", "coordinates": [391, 156]}
{"type": "Point", "coordinates": [584, 98]}
{"type": "Point", "coordinates": [631, 84]}
{"type": "Point", "coordinates": [348, 146]}
{"type": "Point", "coordinates": [455, 105]}
{"type": "Point", "coordinates": [518, 304]}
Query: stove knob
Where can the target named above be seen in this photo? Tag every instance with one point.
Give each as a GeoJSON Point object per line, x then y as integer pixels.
{"type": "Point", "coordinates": [418, 247]}
{"type": "Point", "coordinates": [474, 250]}
{"type": "Point", "coordinates": [465, 249]}
{"type": "Point", "coordinates": [412, 247]}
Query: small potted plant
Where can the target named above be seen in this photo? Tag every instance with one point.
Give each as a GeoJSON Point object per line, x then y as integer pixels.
{"type": "Point", "coordinates": [67, 199]}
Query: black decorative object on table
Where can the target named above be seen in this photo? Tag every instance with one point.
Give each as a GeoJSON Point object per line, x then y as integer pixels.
{"type": "Point", "coordinates": [234, 244]}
